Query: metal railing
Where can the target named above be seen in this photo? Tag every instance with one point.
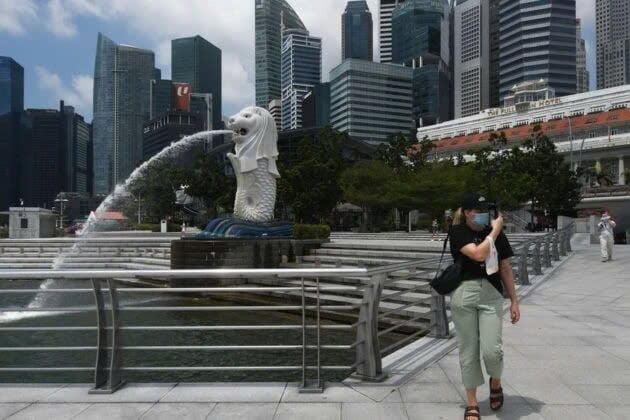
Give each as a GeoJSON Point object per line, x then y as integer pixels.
{"type": "Point", "coordinates": [394, 301]}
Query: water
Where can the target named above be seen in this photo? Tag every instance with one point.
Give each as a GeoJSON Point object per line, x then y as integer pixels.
{"type": "Point", "coordinates": [168, 338]}
{"type": "Point", "coordinates": [120, 191]}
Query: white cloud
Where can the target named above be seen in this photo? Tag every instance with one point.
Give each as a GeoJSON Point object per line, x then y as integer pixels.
{"type": "Point", "coordinates": [78, 94]}
{"type": "Point", "coordinates": [59, 20]}
{"type": "Point", "coordinates": [15, 16]}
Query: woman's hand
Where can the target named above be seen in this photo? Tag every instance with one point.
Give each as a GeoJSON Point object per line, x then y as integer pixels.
{"type": "Point", "coordinates": [497, 224]}
{"type": "Point", "coordinates": [515, 312]}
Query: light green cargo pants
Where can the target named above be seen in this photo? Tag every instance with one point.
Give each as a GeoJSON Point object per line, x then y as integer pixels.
{"type": "Point", "coordinates": [477, 312]}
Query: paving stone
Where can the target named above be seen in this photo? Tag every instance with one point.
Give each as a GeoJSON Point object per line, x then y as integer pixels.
{"type": "Point", "coordinates": [308, 411]}
{"type": "Point", "coordinates": [332, 393]}
{"type": "Point", "coordinates": [26, 393]}
{"type": "Point", "coordinates": [373, 411]}
{"type": "Point", "coordinates": [49, 411]}
{"type": "Point", "coordinates": [114, 411]}
{"type": "Point", "coordinates": [6, 409]}
{"type": "Point", "coordinates": [436, 392]}
{"type": "Point", "coordinates": [563, 412]}
{"type": "Point", "coordinates": [187, 411]}
{"type": "Point", "coordinates": [253, 411]}
{"type": "Point", "coordinates": [129, 393]}
{"type": "Point", "coordinates": [604, 394]}
{"type": "Point", "coordinates": [226, 392]}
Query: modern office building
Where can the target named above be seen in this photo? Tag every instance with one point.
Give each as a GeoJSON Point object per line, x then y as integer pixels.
{"type": "Point", "coordinates": [54, 156]}
{"type": "Point", "coordinates": [371, 101]}
{"type": "Point", "coordinates": [613, 42]}
{"type": "Point", "coordinates": [275, 109]}
{"type": "Point", "coordinates": [197, 62]}
{"type": "Point", "coordinates": [386, 8]}
{"type": "Point", "coordinates": [356, 31]}
{"type": "Point", "coordinates": [316, 106]}
{"type": "Point", "coordinates": [160, 93]}
{"type": "Point", "coordinates": [582, 75]}
{"type": "Point", "coordinates": [168, 128]}
{"type": "Point", "coordinates": [421, 40]}
{"type": "Point", "coordinates": [11, 86]}
{"type": "Point", "coordinates": [15, 131]}
{"type": "Point", "coordinates": [301, 70]}
{"type": "Point", "coordinates": [537, 41]}
{"type": "Point", "coordinates": [272, 16]}
{"type": "Point", "coordinates": [122, 81]}
{"type": "Point", "coordinates": [472, 55]}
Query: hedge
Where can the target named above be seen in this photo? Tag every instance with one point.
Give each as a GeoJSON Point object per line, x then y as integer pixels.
{"type": "Point", "coordinates": [311, 231]}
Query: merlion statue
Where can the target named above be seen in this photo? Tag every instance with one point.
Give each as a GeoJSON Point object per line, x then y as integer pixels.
{"type": "Point", "coordinates": [256, 146]}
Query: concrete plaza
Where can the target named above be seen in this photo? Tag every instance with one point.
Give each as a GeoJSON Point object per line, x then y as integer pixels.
{"type": "Point", "coordinates": [568, 358]}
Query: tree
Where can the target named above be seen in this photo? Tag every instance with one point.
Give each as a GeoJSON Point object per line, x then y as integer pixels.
{"type": "Point", "coordinates": [309, 185]}
{"type": "Point", "coordinates": [404, 153]}
{"type": "Point", "coordinates": [207, 180]}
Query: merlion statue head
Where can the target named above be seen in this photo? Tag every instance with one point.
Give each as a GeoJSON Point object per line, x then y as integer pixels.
{"type": "Point", "coordinates": [255, 137]}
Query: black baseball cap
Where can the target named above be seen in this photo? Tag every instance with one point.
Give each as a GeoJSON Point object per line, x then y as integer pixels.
{"type": "Point", "coordinates": [473, 200]}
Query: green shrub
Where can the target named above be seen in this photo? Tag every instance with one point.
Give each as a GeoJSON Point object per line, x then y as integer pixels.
{"type": "Point", "coordinates": [311, 231]}
{"type": "Point", "coordinates": [153, 227]}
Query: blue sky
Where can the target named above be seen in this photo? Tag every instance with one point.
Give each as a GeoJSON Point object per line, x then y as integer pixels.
{"type": "Point", "coordinates": [55, 40]}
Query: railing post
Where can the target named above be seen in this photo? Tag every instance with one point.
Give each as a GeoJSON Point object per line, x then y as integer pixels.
{"type": "Point", "coordinates": [555, 252]}
{"type": "Point", "coordinates": [369, 363]}
{"type": "Point", "coordinates": [439, 319]}
{"type": "Point", "coordinates": [562, 243]}
{"type": "Point", "coordinates": [108, 359]}
{"type": "Point", "coordinates": [547, 252]}
{"type": "Point", "coordinates": [537, 266]}
{"type": "Point", "coordinates": [523, 275]}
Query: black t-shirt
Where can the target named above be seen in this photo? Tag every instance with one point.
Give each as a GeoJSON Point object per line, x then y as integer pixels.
{"type": "Point", "coordinates": [462, 235]}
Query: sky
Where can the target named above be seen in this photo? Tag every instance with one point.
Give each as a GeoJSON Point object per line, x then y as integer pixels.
{"type": "Point", "coordinates": [55, 40]}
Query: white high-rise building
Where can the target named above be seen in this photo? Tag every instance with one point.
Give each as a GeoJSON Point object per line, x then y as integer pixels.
{"type": "Point", "coordinates": [386, 7]}
{"type": "Point", "coordinates": [613, 43]}
{"type": "Point", "coordinates": [472, 57]}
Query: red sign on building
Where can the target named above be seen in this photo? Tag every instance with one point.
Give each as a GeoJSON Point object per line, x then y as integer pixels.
{"type": "Point", "coordinates": [180, 95]}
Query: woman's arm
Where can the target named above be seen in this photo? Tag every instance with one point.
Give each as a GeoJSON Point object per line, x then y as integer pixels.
{"type": "Point", "coordinates": [480, 252]}
{"type": "Point", "coordinates": [505, 268]}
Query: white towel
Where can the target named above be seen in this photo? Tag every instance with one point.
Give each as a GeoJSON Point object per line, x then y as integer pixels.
{"type": "Point", "coordinates": [492, 260]}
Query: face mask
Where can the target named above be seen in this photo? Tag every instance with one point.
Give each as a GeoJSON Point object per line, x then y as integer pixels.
{"type": "Point", "coordinates": [482, 219]}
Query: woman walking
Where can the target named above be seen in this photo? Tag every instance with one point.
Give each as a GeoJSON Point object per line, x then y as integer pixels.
{"type": "Point", "coordinates": [477, 304]}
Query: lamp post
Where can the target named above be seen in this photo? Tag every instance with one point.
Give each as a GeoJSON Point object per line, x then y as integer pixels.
{"type": "Point", "coordinates": [61, 201]}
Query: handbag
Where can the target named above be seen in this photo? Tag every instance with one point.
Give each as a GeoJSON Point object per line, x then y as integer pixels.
{"type": "Point", "coordinates": [449, 279]}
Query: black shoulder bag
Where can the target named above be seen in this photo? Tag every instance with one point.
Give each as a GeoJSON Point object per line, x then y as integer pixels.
{"type": "Point", "coordinates": [449, 279]}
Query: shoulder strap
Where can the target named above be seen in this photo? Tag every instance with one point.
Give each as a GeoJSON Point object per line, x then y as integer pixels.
{"type": "Point", "coordinates": [448, 235]}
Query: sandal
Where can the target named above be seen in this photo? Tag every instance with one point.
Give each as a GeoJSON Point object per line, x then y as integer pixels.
{"type": "Point", "coordinates": [496, 397]}
{"type": "Point", "coordinates": [472, 411]}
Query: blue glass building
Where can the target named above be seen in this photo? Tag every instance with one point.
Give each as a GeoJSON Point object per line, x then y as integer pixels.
{"type": "Point", "coordinates": [11, 86]}
{"type": "Point", "coordinates": [122, 81]}
{"type": "Point", "coordinates": [196, 61]}
{"type": "Point", "coordinates": [538, 41]}
{"type": "Point", "coordinates": [356, 31]}
{"type": "Point", "coordinates": [301, 70]}
{"type": "Point", "coordinates": [421, 40]}
{"type": "Point", "coordinates": [271, 17]}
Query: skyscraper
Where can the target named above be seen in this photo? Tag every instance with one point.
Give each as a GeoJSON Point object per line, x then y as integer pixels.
{"type": "Point", "coordinates": [122, 79]}
{"type": "Point", "coordinates": [271, 17]}
{"type": "Point", "coordinates": [386, 8]}
{"type": "Point", "coordinates": [371, 101]}
{"type": "Point", "coordinates": [580, 60]}
{"type": "Point", "coordinates": [316, 106]}
{"type": "Point", "coordinates": [537, 41]}
{"type": "Point", "coordinates": [472, 57]}
{"type": "Point", "coordinates": [301, 70]}
{"type": "Point", "coordinates": [613, 43]}
{"type": "Point", "coordinates": [356, 31]}
{"type": "Point", "coordinates": [11, 86]}
{"type": "Point", "coordinates": [15, 132]}
{"type": "Point", "coordinates": [198, 62]}
{"type": "Point", "coordinates": [421, 40]}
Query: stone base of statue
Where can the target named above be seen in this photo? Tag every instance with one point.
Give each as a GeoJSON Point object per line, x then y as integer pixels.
{"type": "Point", "coordinates": [229, 227]}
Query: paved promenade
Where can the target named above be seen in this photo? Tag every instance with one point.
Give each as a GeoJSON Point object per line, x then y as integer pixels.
{"type": "Point", "coordinates": [568, 358]}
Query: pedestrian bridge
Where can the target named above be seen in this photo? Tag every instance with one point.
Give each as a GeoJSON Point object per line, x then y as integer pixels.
{"type": "Point", "coordinates": [568, 357]}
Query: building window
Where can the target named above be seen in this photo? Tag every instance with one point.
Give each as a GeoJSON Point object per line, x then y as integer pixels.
{"type": "Point", "coordinates": [24, 223]}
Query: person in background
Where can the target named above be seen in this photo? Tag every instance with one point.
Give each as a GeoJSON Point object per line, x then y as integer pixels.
{"type": "Point", "coordinates": [606, 228]}
{"type": "Point", "coordinates": [434, 229]}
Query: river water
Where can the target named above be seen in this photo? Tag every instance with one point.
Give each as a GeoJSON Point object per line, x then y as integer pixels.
{"type": "Point", "coordinates": [133, 358]}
